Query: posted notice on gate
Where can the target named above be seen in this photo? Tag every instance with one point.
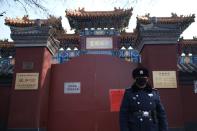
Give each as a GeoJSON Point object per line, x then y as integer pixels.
{"type": "Point", "coordinates": [26, 81]}
{"type": "Point", "coordinates": [164, 79]}
{"type": "Point", "coordinates": [72, 87]}
{"type": "Point", "coordinates": [116, 96]}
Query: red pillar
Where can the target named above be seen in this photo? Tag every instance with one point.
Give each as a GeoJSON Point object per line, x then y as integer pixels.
{"type": "Point", "coordinates": [29, 107]}
{"type": "Point", "coordinates": [163, 57]}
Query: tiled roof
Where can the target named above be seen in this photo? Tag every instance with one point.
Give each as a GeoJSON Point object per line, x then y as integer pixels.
{"type": "Point", "coordinates": [6, 44]}
{"type": "Point", "coordinates": [188, 42]}
{"type": "Point", "coordinates": [83, 13]}
{"type": "Point", "coordinates": [25, 21]}
{"type": "Point", "coordinates": [128, 35]}
{"type": "Point", "coordinates": [187, 46]}
{"type": "Point", "coordinates": [68, 37]}
{"type": "Point", "coordinates": [187, 67]}
{"type": "Point", "coordinates": [71, 40]}
{"type": "Point", "coordinates": [166, 20]}
{"type": "Point", "coordinates": [81, 19]}
{"type": "Point", "coordinates": [6, 69]}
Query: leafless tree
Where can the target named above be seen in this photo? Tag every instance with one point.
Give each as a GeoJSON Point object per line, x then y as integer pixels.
{"type": "Point", "coordinates": [1, 14]}
{"type": "Point", "coordinates": [38, 4]}
{"type": "Point", "coordinates": [25, 4]}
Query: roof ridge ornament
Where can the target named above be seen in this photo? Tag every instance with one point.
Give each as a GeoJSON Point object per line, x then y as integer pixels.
{"type": "Point", "coordinates": [174, 15]}
{"type": "Point", "coordinates": [81, 19]}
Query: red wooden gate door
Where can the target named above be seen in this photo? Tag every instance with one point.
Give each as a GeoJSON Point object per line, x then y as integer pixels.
{"type": "Point", "coordinates": [80, 93]}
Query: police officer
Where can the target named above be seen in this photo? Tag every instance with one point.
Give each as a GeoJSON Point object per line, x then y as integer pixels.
{"type": "Point", "coordinates": [141, 108]}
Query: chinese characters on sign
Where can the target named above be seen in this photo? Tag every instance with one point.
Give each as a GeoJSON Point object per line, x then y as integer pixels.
{"type": "Point", "coordinates": [72, 87]}
{"type": "Point", "coordinates": [99, 43]}
{"type": "Point", "coordinates": [26, 81]}
{"type": "Point", "coordinates": [164, 79]}
{"type": "Point", "coordinates": [116, 96]}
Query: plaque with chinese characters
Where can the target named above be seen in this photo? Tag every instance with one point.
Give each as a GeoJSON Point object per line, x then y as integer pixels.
{"type": "Point", "coordinates": [26, 81]}
{"type": "Point", "coordinates": [72, 87]}
{"type": "Point", "coordinates": [164, 79]}
{"type": "Point", "coordinates": [99, 43]}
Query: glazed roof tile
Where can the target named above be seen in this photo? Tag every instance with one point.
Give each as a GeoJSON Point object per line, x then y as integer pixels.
{"type": "Point", "coordinates": [6, 44]}
{"type": "Point", "coordinates": [165, 20]}
{"type": "Point", "coordinates": [81, 19]}
{"type": "Point", "coordinates": [188, 41]}
{"type": "Point", "coordinates": [68, 36]}
{"type": "Point", "coordinates": [26, 22]}
{"type": "Point", "coordinates": [83, 13]}
{"type": "Point", "coordinates": [189, 67]}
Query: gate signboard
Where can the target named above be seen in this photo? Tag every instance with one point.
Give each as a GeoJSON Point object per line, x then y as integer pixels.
{"type": "Point", "coordinates": [26, 81]}
{"type": "Point", "coordinates": [72, 87]}
{"type": "Point", "coordinates": [164, 79]}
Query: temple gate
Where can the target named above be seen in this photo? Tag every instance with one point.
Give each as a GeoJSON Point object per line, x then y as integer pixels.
{"type": "Point", "coordinates": [70, 81]}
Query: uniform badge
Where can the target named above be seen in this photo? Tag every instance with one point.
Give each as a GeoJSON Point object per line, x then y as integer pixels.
{"type": "Point", "coordinates": [141, 72]}
{"type": "Point", "coordinates": [134, 98]}
{"type": "Point", "coordinates": [150, 94]}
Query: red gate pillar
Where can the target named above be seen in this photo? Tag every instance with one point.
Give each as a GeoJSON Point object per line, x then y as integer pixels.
{"type": "Point", "coordinates": [157, 40]}
{"type": "Point", "coordinates": [162, 57]}
{"type": "Point", "coordinates": [29, 96]}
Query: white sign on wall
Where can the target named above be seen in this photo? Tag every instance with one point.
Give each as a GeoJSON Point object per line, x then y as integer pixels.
{"type": "Point", "coordinates": [164, 79]}
{"type": "Point", "coordinates": [99, 43]}
{"type": "Point", "coordinates": [26, 81]}
{"type": "Point", "coordinates": [72, 87]}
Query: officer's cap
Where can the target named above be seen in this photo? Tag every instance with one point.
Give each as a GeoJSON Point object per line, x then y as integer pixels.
{"type": "Point", "coordinates": [140, 72]}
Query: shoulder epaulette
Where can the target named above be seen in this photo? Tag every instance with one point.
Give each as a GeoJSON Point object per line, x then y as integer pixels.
{"type": "Point", "coordinates": [154, 89]}
{"type": "Point", "coordinates": [127, 89]}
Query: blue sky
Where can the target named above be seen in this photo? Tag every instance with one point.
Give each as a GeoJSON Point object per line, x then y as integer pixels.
{"type": "Point", "coordinates": [141, 7]}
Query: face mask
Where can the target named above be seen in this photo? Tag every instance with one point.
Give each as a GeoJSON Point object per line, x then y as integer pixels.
{"type": "Point", "coordinates": [141, 81]}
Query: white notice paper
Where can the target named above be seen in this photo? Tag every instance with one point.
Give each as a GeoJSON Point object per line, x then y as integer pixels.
{"type": "Point", "coordinates": [72, 87]}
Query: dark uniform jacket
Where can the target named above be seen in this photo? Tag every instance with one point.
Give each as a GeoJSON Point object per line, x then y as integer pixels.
{"type": "Point", "coordinates": [141, 110]}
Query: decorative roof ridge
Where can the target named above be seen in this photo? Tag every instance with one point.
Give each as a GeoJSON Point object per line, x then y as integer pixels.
{"type": "Point", "coordinates": [174, 18]}
{"type": "Point", "coordinates": [188, 41]}
{"type": "Point", "coordinates": [21, 21]}
{"type": "Point", "coordinates": [193, 39]}
{"type": "Point", "coordinates": [82, 11]}
{"type": "Point", "coordinates": [173, 15]}
{"type": "Point", "coordinates": [6, 43]}
{"type": "Point", "coordinates": [25, 21]}
{"type": "Point", "coordinates": [4, 40]}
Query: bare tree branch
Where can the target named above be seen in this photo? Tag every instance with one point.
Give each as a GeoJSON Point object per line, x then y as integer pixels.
{"type": "Point", "coordinates": [1, 14]}
{"type": "Point", "coordinates": [28, 3]}
{"type": "Point", "coordinates": [35, 3]}
{"type": "Point", "coordinates": [22, 5]}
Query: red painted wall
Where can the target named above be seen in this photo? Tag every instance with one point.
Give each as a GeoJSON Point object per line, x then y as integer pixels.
{"type": "Point", "coordinates": [89, 110]}
{"type": "Point", "coordinates": [163, 57]}
{"type": "Point", "coordinates": [189, 104]}
{"type": "Point", "coordinates": [28, 108]}
{"type": "Point", "coordinates": [4, 108]}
